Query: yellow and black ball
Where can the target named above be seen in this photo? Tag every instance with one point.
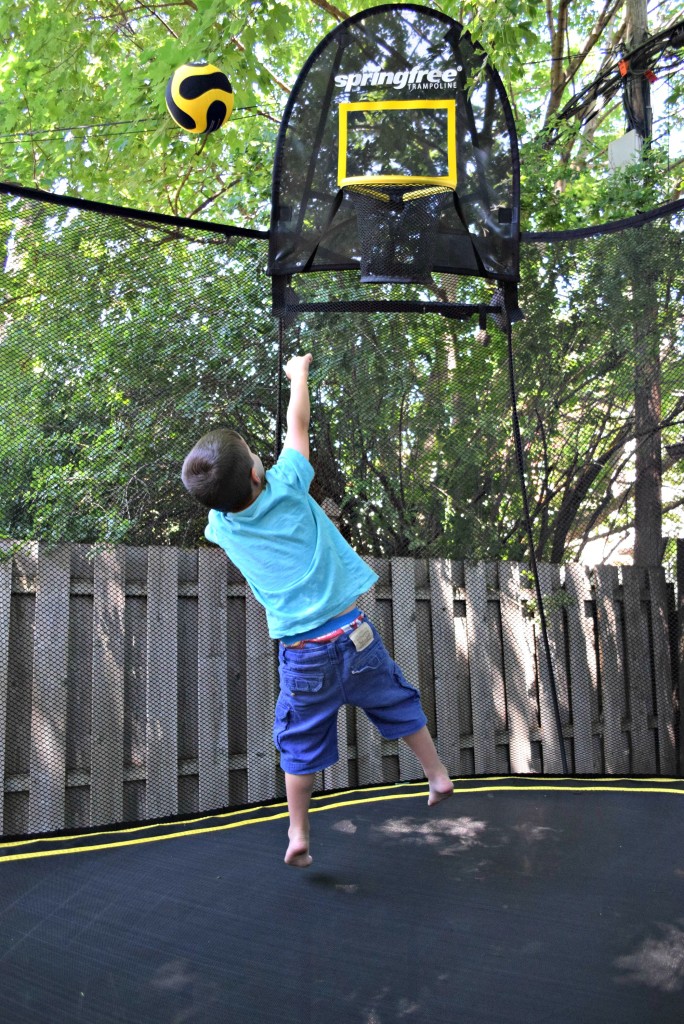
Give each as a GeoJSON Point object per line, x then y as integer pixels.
{"type": "Point", "coordinates": [199, 97]}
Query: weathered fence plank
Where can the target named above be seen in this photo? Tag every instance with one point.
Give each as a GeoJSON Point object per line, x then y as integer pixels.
{"type": "Point", "coordinates": [5, 619]}
{"type": "Point", "coordinates": [212, 679]}
{"type": "Point", "coordinates": [261, 675]}
{"type": "Point", "coordinates": [678, 648]}
{"type": "Point", "coordinates": [667, 746]}
{"type": "Point", "coordinates": [405, 637]}
{"type": "Point", "coordinates": [638, 671]}
{"type": "Point", "coordinates": [368, 743]}
{"type": "Point", "coordinates": [465, 697]}
{"type": "Point", "coordinates": [482, 635]}
{"type": "Point", "coordinates": [162, 682]}
{"type": "Point", "coordinates": [135, 685]}
{"type": "Point", "coordinates": [550, 582]}
{"type": "Point", "coordinates": [518, 669]}
{"type": "Point", "coordinates": [337, 776]}
{"type": "Point", "coordinates": [20, 689]}
{"type": "Point", "coordinates": [581, 659]}
{"type": "Point", "coordinates": [451, 664]}
{"type": "Point", "coordinates": [49, 695]}
{"type": "Point", "coordinates": [615, 746]}
{"type": "Point", "coordinates": [109, 640]}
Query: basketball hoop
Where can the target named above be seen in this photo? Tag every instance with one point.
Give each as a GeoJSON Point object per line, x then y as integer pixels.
{"type": "Point", "coordinates": [397, 230]}
{"type": "Point", "coordinates": [398, 95]}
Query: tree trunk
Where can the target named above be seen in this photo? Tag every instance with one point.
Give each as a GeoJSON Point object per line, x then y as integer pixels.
{"type": "Point", "coordinates": [648, 505]}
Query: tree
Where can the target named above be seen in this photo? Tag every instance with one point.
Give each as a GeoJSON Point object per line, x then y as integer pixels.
{"type": "Point", "coordinates": [114, 356]}
{"type": "Point", "coordinates": [585, 306]}
{"type": "Point", "coordinates": [83, 86]}
{"type": "Point", "coordinates": [412, 428]}
{"type": "Point", "coordinates": [648, 511]}
{"type": "Point", "coordinates": [122, 342]}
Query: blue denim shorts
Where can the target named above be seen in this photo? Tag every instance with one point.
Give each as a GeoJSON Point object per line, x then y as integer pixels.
{"type": "Point", "coordinates": [316, 680]}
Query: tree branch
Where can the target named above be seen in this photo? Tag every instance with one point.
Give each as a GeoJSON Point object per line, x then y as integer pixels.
{"type": "Point", "coordinates": [210, 199]}
{"type": "Point", "coordinates": [335, 12]}
{"type": "Point", "coordinates": [606, 15]}
{"type": "Point", "coordinates": [158, 17]}
{"type": "Point", "coordinates": [557, 41]}
{"type": "Point", "coordinates": [281, 85]}
{"type": "Point", "coordinates": [560, 79]}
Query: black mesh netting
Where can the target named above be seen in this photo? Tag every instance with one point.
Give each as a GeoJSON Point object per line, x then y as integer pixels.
{"type": "Point", "coordinates": [397, 231]}
{"type": "Point", "coordinates": [426, 107]}
{"type": "Point", "coordinates": [136, 676]}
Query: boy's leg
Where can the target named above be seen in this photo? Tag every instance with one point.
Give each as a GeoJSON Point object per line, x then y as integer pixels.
{"type": "Point", "coordinates": [299, 789]}
{"type": "Point", "coordinates": [393, 705]}
{"type": "Point", "coordinates": [422, 746]}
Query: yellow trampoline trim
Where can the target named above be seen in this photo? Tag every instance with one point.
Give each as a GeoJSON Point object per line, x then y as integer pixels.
{"type": "Point", "coordinates": [448, 179]}
{"type": "Point", "coordinates": [343, 799]}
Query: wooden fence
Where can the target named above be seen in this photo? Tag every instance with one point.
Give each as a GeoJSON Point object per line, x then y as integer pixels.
{"type": "Point", "coordinates": [138, 683]}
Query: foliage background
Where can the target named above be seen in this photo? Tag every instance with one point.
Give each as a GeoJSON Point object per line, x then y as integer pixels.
{"type": "Point", "coordinates": [122, 342]}
{"type": "Point", "coordinates": [119, 342]}
{"type": "Point", "coordinates": [82, 99]}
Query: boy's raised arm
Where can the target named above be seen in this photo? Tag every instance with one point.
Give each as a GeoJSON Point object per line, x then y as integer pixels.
{"type": "Point", "coordinates": [299, 408]}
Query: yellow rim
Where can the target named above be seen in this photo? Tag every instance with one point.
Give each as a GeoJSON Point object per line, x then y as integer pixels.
{"type": "Point", "coordinates": [447, 180]}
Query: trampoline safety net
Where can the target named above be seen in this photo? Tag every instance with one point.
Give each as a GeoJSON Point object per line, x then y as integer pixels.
{"type": "Point", "coordinates": [137, 678]}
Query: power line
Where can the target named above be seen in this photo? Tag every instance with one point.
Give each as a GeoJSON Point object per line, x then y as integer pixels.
{"type": "Point", "coordinates": [33, 132]}
{"type": "Point", "coordinates": [43, 134]}
{"type": "Point", "coordinates": [72, 128]}
{"type": "Point", "coordinates": [89, 135]}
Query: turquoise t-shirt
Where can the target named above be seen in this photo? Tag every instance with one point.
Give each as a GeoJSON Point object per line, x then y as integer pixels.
{"type": "Point", "coordinates": [297, 564]}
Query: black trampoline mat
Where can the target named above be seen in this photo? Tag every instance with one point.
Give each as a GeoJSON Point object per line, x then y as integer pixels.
{"type": "Point", "coordinates": [519, 901]}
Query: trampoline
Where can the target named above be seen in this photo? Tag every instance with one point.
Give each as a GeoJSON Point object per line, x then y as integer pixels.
{"type": "Point", "coordinates": [140, 679]}
{"type": "Point", "coordinates": [522, 900]}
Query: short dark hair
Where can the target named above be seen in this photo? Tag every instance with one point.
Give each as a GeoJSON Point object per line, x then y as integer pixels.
{"type": "Point", "coordinates": [218, 471]}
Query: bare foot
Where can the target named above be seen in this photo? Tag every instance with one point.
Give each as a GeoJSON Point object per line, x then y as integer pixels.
{"type": "Point", "coordinates": [297, 854]}
{"type": "Point", "coordinates": [441, 788]}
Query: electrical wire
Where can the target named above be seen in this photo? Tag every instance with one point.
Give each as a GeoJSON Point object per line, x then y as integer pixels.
{"type": "Point", "coordinates": [33, 132]}
{"type": "Point", "coordinates": [89, 135]}
{"type": "Point", "coordinates": [73, 128]}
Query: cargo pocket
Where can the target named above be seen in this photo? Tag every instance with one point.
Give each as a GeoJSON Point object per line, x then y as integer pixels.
{"type": "Point", "coordinates": [402, 681]}
{"type": "Point", "coordinates": [283, 714]}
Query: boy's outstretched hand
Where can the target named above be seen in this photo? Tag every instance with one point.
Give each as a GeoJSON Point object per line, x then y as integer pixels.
{"type": "Point", "coordinates": [298, 411]}
{"type": "Point", "coordinates": [297, 365]}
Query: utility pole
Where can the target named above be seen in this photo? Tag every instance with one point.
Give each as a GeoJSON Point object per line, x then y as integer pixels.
{"type": "Point", "coordinates": [637, 84]}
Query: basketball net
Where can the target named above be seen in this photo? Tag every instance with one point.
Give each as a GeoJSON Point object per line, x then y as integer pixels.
{"type": "Point", "coordinates": [397, 229]}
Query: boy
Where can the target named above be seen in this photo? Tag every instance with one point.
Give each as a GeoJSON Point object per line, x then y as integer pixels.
{"type": "Point", "coordinates": [308, 578]}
